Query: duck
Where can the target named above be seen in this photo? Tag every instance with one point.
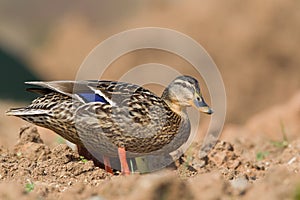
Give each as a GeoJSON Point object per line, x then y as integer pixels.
{"type": "Point", "coordinates": [115, 119]}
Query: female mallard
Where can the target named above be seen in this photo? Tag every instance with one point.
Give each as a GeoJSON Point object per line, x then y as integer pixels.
{"type": "Point", "coordinates": [115, 118]}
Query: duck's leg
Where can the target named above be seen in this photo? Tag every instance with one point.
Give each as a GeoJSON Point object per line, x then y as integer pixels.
{"type": "Point", "coordinates": [107, 164]}
{"type": "Point", "coordinates": [124, 165]}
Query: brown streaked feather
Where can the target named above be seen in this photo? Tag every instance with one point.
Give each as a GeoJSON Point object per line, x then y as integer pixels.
{"type": "Point", "coordinates": [135, 118]}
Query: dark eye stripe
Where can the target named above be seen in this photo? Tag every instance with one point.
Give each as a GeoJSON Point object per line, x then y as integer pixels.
{"type": "Point", "coordinates": [189, 81]}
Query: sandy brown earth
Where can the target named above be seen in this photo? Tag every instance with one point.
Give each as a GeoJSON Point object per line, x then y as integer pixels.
{"type": "Point", "coordinates": [32, 170]}
{"type": "Point", "coordinates": [247, 167]}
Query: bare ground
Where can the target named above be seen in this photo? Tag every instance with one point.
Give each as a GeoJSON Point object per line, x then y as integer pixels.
{"type": "Point", "coordinates": [33, 170]}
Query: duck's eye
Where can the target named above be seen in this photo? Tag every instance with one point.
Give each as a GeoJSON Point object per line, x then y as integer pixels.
{"type": "Point", "coordinates": [198, 99]}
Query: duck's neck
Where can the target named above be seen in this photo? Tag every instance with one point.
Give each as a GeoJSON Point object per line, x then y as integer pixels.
{"type": "Point", "coordinates": [174, 106]}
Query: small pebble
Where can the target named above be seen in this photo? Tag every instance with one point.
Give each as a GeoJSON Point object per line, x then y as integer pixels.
{"type": "Point", "coordinates": [96, 198]}
{"type": "Point", "coordinates": [240, 183]}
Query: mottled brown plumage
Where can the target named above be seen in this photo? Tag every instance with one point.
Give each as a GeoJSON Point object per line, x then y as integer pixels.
{"type": "Point", "coordinates": [103, 116]}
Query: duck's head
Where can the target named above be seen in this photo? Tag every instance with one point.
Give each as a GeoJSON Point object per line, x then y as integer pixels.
{"type": "Point", "coordinates": [184, 91]}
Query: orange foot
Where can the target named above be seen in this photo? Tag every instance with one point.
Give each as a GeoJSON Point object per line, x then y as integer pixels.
{"type": "Point", "coordinates": [107, 164]}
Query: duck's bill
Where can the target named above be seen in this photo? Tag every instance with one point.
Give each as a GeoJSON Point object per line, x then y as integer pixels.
{"type": "Point", "coordinates": [206, 110]}
{"type": "Point", "coordinates": [202, 106]}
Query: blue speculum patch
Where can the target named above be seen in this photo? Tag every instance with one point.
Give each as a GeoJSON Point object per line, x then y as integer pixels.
{"type": "Point", "coordinates": [92, 97]}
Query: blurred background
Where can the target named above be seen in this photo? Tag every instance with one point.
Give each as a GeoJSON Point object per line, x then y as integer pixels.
{"type": "Point", "coordinates": [254, 43]}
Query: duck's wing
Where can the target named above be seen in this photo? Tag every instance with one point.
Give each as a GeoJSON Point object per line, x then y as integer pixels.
{"type": "Point", "coordinates": [108, 92]}
{"type": "Point", "coordinates": [135, 118]}
{"type": "Point", "coordinates": [119, 93]}
{"type": "Point", "coordinates": [68, 88]}
{"type": "Point", "coordinates": [64, 87]}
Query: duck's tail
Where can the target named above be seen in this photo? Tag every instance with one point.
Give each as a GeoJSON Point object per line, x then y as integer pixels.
{"type": "Point", "coordinates": [19, 112]}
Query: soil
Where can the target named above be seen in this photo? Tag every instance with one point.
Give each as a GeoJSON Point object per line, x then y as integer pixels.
{"type": "Point", "coordinates": [33, 170]}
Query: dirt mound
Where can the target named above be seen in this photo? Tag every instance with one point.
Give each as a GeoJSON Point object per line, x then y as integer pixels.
{"type": "Point", "coordinates": [278, 124]}
{"type": "Point", "coordinates": [34, 170]}
{"type": "Point", "coordinates": [50, 171]}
